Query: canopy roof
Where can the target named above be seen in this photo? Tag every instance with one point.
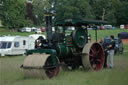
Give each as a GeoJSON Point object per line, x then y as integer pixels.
{"type": "Point", "coordinates": [75, 22]}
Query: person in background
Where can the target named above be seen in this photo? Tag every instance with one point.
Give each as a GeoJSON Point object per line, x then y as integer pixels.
{"type": "Point", "coordinates": [104, 45]}
{"type": "Point", "coordinates": [111, 47]}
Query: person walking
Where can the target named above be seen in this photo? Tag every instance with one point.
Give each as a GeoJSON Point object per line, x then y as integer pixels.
{"type": "Point", "coordinates": [104, 45]}
{"type": "Point", "coordinates": [111, 47]}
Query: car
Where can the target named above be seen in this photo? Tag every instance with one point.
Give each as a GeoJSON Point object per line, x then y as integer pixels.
{"type": "Point", "coordinates": [43, 29]}
{"type": "Point", "coordinates": [21, 30]}
{"type": "Point", "coordinates": [101, 27]}
{"type": "Point", "coordinates": [118, 45]}
{"type": "Point", "coordinates": [114, 28]}
{"type": "Point", "coordinates": [25, 29]}
{"type": "Point", "coordinates": [38, 31]}
{"type": "Point", "coordinates": [122, 26]}
{"type": "Point", "coordinates": [126, 26]}
{"type": "Point", "coordinates": [107, 26]}
{"type": "Point", "coordinates": [33, 29]}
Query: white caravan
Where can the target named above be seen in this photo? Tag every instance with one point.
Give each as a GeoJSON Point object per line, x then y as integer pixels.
{"type": "Point", "coordinates": [15, 45]}
{"type": "Point", "coordinates": [36, 36]}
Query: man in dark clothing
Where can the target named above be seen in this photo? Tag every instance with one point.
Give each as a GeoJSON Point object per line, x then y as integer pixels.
{"type": "Point", "coordinates": [104, 45]}
{"type": "Point", "coordinates": [111, 50]}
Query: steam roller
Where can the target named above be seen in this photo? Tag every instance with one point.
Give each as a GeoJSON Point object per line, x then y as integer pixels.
{"type": "Point", "coordinates": [64, 48]}
{"type": "Point", "coordinates": [35, 64]}
{"type": "Point", "coordinates": [41, 66]}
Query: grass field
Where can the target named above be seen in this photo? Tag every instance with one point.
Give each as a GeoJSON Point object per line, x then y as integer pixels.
{"type": "Point", "coordinates": [100, 33]}
{"type": "Point", "coordinates": [12, 74]}
{"type": "Point", "coordinates": [104, 33]}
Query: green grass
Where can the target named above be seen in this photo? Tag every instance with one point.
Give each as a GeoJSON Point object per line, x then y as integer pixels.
{"type": "Point", "coordinates": [14, 32]}
{"type": "Point", "coordinates": [100, 33]}
{"type": "Point", "coordinates": [12, 74]}
{"type": "Point", "coordinates": [104, 33]}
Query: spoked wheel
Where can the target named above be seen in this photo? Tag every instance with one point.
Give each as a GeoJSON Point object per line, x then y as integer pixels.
{"type": "Point", "coordinates": [51, 70]}
{"type": "Point", "coordinates": [93, 56]}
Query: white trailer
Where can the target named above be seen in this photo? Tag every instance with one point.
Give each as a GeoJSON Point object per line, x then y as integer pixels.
{"type": "Point", "coordinates": [15, 45]}
{"type": "Point", "coordinates": [36, 36]}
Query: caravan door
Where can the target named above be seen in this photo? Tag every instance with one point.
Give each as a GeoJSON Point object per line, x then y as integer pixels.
{"type": "Point", "coordinates": [16, 48]}
{"type": "Point", "coordinates": [31, 43]}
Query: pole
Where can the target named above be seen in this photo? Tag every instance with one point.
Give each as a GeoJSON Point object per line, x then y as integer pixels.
{"type": "Point", "coordinates": [96, 32]}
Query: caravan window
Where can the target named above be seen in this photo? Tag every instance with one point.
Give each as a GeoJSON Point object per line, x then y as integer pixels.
{"type": "Point", "coordinates": [24, 42]}
{"type": "Point", "coordinates": [3, 45]}
{"type": "Point", "coordinates": [16, 44]}
{"type": "Point", "coordinates": [9, 44]}
{"type": "Point", "coordinates": [0, 44]}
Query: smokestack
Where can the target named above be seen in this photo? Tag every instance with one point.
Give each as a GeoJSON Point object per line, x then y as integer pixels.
{"type": "Point", "coordinates": [49, 27]}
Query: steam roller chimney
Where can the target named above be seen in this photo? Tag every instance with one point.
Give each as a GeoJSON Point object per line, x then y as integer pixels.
{"type": "Point", "coordinates": [49, 27]}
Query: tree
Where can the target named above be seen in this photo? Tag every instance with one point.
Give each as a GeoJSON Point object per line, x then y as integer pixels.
{"type": "Point", "coordinates": [106, 8]}
{"type": "Point", "coordinates": [12, 13]}
{"type": "Point", "coordinates": [124, 0]}
{"type": "Point", "coordinates": [99, 6]}
{"type": "Point", "coordinates": [72, 9]}
{"type": "Point", "coordinates": [112, 9]}
{"type": "Point", "coordinates": [122, 13]}
{"type": "Point", "coordinates": [39, 8]}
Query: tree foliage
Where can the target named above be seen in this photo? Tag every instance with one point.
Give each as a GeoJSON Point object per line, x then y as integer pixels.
{"type": "Point", "coordinates": [13, 12]}
{"type": "Point", "coordinates": [40, 7]}
{"type": "Point", "coordinates": [106, 8]}
{"type": "Point", "coordinates": [122, 13]}
{"type": "Point", "coordinates": [72, 9]}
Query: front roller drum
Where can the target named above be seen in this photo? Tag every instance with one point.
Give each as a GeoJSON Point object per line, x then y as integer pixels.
{"type": "Point", "coordinates": [93, 56]}
{"type": "Point", "coordinates": [40, 66]}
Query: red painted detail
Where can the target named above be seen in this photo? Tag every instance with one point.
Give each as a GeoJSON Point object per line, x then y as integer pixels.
{"type": "Point", "coordinates": [96, 56]}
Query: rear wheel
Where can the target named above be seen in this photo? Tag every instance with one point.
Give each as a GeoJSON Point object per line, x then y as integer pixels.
{"type": "Point", "coordinates": [93, 56]}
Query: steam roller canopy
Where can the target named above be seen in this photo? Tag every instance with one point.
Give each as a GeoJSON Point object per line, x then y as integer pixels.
{"type": "Point", "coordinates": [93, 56]}
{"type": "Point", "coordinates": [34, 64]}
